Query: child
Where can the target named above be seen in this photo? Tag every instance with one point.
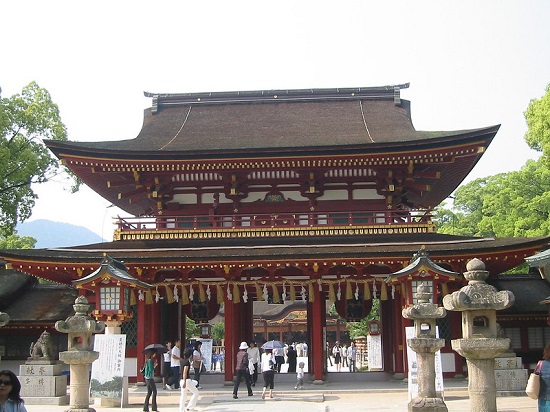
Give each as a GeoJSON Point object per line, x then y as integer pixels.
{"type": "Point", "coordinates": [300, 376]}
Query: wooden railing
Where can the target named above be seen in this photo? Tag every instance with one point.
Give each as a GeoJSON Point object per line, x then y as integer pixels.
{"type": "Point", "coordinates": [145, 227]}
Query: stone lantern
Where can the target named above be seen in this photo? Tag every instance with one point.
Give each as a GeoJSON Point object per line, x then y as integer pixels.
{"type": "Point", "coordinates": [478, 302]}
{"type": "Point", "coordinates": [422, 271]}
{"type": "Point", "coordinates": [425, 344]}
{"type": "Point", "coordinates": [79, 355]}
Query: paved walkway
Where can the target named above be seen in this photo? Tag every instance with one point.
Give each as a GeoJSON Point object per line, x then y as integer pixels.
{"type": "Point", "coordinates": [329, 397]}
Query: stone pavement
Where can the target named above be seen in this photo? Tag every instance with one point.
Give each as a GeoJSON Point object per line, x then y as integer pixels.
{"type": "Point", "coordinates": [330, 397]}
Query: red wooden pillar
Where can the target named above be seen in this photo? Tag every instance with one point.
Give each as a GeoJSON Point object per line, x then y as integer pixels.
{"type": "Point", "coordinates": [316, 320]}
{"type": "Point", "coordinates": [390, 342]}
{"type": "Point", "coordinates": [400, 341]}
{"type": "Point", "coordinates": [143, 319]}
{"type": "Point", "coordinates": [233, 336]}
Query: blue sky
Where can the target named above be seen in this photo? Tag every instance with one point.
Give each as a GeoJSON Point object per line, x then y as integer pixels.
{"type": "Point", "coordinates": [469, 63]}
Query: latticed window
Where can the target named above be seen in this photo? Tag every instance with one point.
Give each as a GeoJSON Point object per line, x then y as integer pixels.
{"type": "Point", "coordinates": [514, 334]}
{"type": "Point", "coordinates": [109, 296]}
{"type": "Point", "coordinates": [538, 338]}
{"type": "Point", "coordinates": [129, 328]}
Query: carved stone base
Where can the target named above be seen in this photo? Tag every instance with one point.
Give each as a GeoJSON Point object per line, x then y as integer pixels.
{"type": "Point", "coordinates": [427, 404]}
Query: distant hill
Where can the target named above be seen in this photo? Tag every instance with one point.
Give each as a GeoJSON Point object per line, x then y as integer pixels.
{"type": "Point", "coordinates": [57, 234]}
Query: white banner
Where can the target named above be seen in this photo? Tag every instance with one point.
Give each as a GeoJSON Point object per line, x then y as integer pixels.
{"type": "Point", "coordinates": [108, 369]}
{"type": "Point", "coordinates": [413, 367]}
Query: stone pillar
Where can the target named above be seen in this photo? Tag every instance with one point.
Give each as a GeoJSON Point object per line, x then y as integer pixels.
{"type": "Point", "coordinates": [79, 355]}
{"type": "Point", "coordinates": [480, 345]}
{"type": "Point", "coordinates": [425, 344]}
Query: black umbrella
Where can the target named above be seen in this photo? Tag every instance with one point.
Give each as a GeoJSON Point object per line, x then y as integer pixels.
{"type": "Point", "coordinates": [157, 347]}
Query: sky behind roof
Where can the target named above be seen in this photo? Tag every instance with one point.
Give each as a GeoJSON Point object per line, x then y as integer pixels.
{"type": "Point", "coordinates": [470, 64]}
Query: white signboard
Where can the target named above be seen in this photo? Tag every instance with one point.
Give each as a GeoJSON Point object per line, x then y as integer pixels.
{"type": "Point", "coordinates": [413, 368]}
{"type": "Point", "coordinates": [206, 350]}
{"type": "Point", "coordinates": [374, 347]}
{"type": "Point", "coordinates": [108, 369]}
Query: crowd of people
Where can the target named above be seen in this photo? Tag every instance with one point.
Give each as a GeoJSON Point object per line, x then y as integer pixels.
{"type": "Point", "coordinates": [183, 371]}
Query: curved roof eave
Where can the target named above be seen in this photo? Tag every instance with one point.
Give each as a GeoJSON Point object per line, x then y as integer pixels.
{"type": "Point", "coordinates": [127, 149]}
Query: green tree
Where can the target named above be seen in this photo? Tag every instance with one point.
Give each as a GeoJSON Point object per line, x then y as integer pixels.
{"type": "Point", "coordinates": [25, 120]}
{"type": "Point", "coordinates": [14, 241]}
{"type": "Point", "coordinates": [514, 204]}
{"type": "Point", "coordinates": [218, 331]}
{"type": "Point", "coordinates": [191, 328]}
{"type": "Point", "coordinates": [537, 117]}
{"type": "Point", "coordinates": [361, 328]}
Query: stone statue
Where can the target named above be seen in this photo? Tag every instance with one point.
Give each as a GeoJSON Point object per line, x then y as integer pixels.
{"type": "Point", "coordinates": [42, 348]}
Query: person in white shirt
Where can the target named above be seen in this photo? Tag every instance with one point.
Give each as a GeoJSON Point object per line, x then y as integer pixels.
{"type": "Point", "coordinates": [166, 364]}
{"type": "Point", "coordinates": [300, 376]}
{"type": "Point", "coordinates": [254, 358]}
{"type": "Point", "coordinates": [268, 365]}
{"type": "Point", "coordinates": [175, 360]}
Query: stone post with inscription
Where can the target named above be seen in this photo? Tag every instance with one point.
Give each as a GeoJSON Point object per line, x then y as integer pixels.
{"type": "Point", "coordinates": [480, 344]}
{"type": "Point", "coordinates": [80, 355]}
{"type": "Point", "coordinates": [425, 344]}
{"type": "Point", "coordinates": [41, 380]}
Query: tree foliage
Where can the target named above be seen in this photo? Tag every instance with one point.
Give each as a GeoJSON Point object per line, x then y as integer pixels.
{"type": "Point", "coordinates": [25, 120]}
{"type": "Point", "coordinates": [514, 204]}
{"type": "Point", "coordinates": [537, 117]}
{"type": "Point", "coordinates": [15, 241]}
{"type": "Point", "coordinates": [361, 328]}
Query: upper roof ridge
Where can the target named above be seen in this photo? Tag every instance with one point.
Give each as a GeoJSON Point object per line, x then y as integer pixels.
{"type": "Point", "coordinates": [389, 92]}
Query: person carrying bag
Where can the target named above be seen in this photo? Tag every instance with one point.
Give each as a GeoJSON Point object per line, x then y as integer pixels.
{"type": "Point", "coordinates": [533, 383]}
{"type": "Point", "coordinates": [541, 375]}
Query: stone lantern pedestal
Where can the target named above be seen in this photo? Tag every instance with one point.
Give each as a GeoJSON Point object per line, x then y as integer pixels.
{"type": "Point", "coordinates": [480, 344]}
{"type": "Point", "coordinates": [79, 355]}
{"type": "Point", "coordinates": [425, 344]}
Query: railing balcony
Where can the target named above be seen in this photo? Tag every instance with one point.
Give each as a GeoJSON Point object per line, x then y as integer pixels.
{"type": "Point", "coordinates": [277, 224]}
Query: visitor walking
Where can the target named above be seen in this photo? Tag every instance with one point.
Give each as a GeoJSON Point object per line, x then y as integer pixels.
{"type": "Point", "coordinates": [279, 354]}
{"type": "Point", "coordinates": [268, 366]}
{"type": "Point", "coordinates": [544, 393]}
{"type": "Point", "coordinates": [337, 353]}
{"type": "Point", "coordinates": [254, 358]}
{"type": "Point", "coordinates": [198, 362]}
{"type": "Point", "coordinates": [328, 352]}
{"type": "Point", "coordinates": [166, 364]}
{"type": "Point", "coordinates": [187, 384]}
{"type": "Point", "coordinates": [242, 370]}
{"type": "Point", "coordinates": [175, 361]}
{"type": "Point", "coordinates": [148, 373]}
{"type": "Point", "coordinates": [352, 357]}
{"type": "Point", "coordinates": [291, 359]}
{"type": "Point", "coordinates": [10, 387]}
{"type": "Point", "coordinates": [300, 376]}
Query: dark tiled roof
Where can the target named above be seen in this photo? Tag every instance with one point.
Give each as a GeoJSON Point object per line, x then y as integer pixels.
{"type": "Point", "coordinates": [529, 291]}
{"type": "Point", "coordinates": [335, 119]}
{"type": "Point", "coordinates": [50, 303]}
{"type": "Point", "coordinates": [12, 285]}
{"type": "Point", "coordinates": [27, 301]}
